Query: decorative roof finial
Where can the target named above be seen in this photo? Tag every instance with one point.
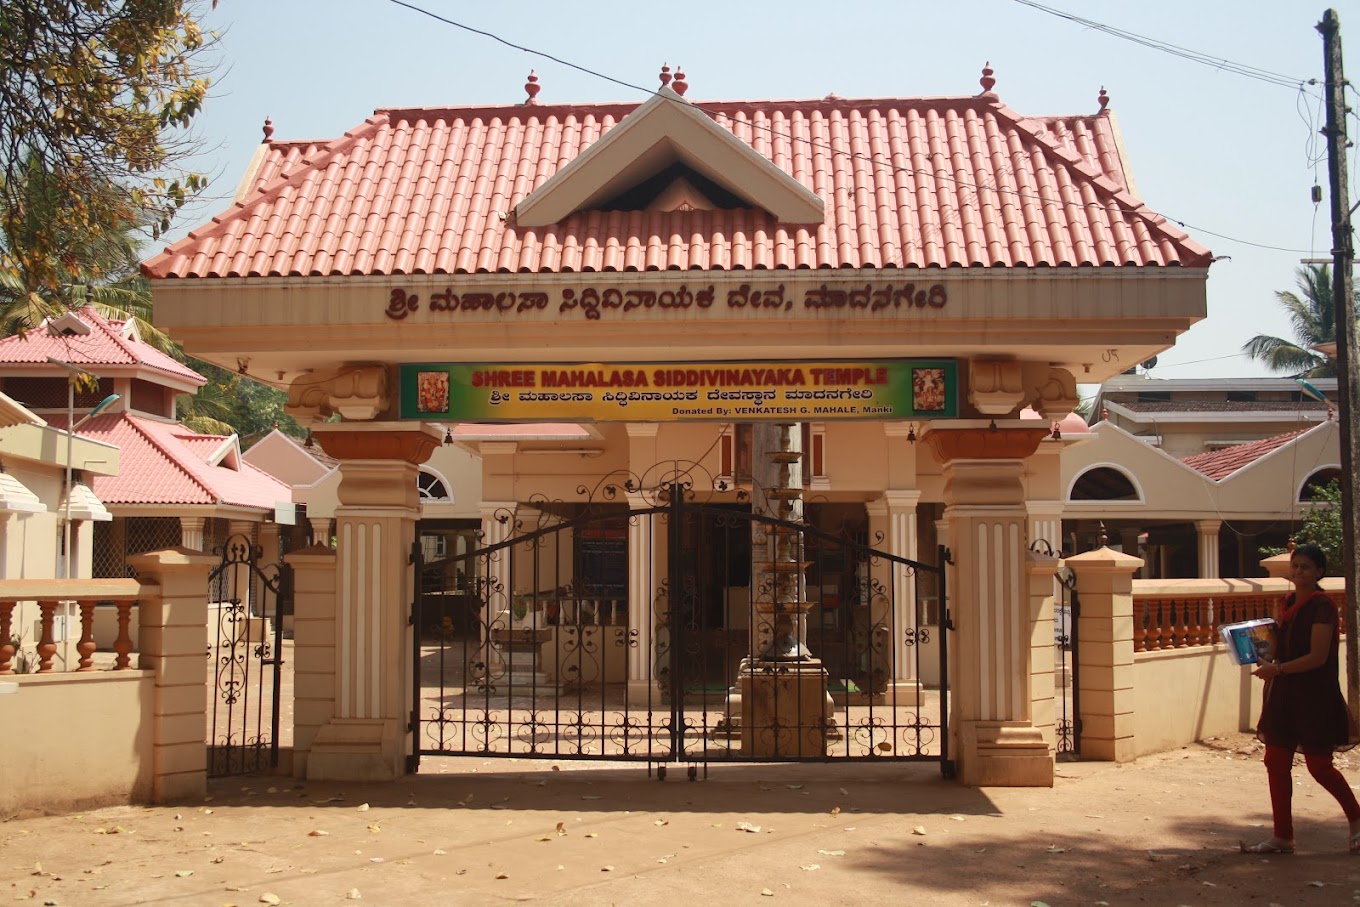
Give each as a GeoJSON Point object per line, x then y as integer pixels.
{"type": "Point", "coordinates": [532, 88]}
{"type": "Point", "coordinates": [1103, 539]}
{"type": "Point", "coordinates": [1104, 99]}
{"type": "Point", "coordinates": [987, 82]}
{"type": "Point", "coordinates": [268, 131]}
{"type": "Point", "coordinates": [665, 75]}
{"type": "Point", "coordinates": [680, 85]}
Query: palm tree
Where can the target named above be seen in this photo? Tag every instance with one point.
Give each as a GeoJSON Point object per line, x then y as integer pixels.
{"type": "Point", "coordinates": [1313, 318]}
{"type": "Point", "coordinates": [96, 265]}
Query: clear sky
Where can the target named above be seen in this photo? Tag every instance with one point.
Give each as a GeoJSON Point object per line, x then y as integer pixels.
{"type": "Point", "coordinates": [1210, 148]}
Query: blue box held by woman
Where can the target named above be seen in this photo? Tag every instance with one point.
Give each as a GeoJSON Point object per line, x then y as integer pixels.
{"type": "Point", "coordinates": [1250, 642]}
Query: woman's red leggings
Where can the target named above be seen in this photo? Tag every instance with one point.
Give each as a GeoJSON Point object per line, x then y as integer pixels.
{"type": "Point", "coordinates": [1279, 763]}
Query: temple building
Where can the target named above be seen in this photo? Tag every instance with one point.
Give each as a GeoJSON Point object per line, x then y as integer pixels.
{"type": "Point", "coordinates": [736, 375]}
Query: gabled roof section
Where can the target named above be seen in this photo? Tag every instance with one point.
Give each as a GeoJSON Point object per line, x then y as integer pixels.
{"type": "Point", "coordinates": [165, 463]}
{"type": "Point", "coordinates": [905, 183]}
{"type": "Point", "coordinates": [83, 337]}
{"type": "Point", "coordinates": [667, 129]}
{"type": "Point", "coordinates": [1219, 464]}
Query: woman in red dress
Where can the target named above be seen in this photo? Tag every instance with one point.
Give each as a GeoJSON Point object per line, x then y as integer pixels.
{"type": "Point", "coordinates": [1304, 710]}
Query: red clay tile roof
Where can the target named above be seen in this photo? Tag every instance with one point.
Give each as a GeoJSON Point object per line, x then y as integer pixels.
{"type": "Point", "coordinates": [103, 345]}
{"type": "Point", "coordinates": [166, 463]}
{"type": "Point", "coordinates": [1219, 464]}
{"type": "Point", "coordinates": [943, 182]}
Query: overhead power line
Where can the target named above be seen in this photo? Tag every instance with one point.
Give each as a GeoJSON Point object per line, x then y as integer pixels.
{"type": "Point", "coordinates": [875, 160]}
{"type": "Point", "coordinates": [1220, 63]}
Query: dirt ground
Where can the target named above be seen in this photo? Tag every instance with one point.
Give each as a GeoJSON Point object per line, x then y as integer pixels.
{"type": "Point", "coordinates": [1163, 830]}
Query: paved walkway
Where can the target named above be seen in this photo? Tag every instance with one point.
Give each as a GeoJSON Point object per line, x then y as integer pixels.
{"type": "Point", "coordinates": [474, 831]}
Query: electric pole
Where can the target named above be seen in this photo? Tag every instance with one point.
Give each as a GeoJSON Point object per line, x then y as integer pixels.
{"type": "Point", "coordinates": [1347, 361]}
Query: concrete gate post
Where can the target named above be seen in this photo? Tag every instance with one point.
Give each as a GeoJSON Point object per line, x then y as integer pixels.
{"type": "Point", "coordinates": [1105, 665]}
{"type": "Point", "coordinates": [367, 738]}
{"type": "Point", "coordinates": [172, 635]}
{"type": "Point", "coordinates": [990, 603]}
{"type": "Point", "coordinates": [314, 656]}
{"type": "Point", "coordinates": [1040, 568]}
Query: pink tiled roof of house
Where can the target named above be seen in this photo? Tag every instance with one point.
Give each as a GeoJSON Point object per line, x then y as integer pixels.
{"type": "Point", "coordinates": [166, 463]}
{"type": "Point", "coordinates": [907, 183]}
{"type": "Point", "coordinates": [104, 345]}
{"type": "Point", "coordinates": [1219, 464]}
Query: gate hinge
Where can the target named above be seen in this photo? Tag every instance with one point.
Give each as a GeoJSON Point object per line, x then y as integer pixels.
{"type": "Point", "coordinates": [411, 618]}
{"type": "Point", "coordinates": [948, 622]}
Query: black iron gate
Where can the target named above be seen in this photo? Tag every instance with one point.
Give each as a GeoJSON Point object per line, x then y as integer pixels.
{"type": "Point", "coordinates": [245, 639]}
{"type": "Point", "coordinates": [1067, 720]}
{"type": "Point", "coordinates": [657, 633]}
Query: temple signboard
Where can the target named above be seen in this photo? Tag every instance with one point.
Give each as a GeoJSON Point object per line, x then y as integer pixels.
{"type": "Point", "coordinates": [680, 391]}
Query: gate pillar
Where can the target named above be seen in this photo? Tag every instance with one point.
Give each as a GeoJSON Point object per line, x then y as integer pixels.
{"type": "Point", "coordinates": [990, 663]}
{"type": "Point", "coordinates": [1105, 661]}
{"type": "Point", "coordinates": [894, 515]}
{"type": "Point", "coordinates": [375, 529]}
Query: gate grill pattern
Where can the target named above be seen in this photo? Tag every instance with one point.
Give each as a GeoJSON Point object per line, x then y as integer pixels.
{"type": "Point", "coordinates": [245, 657]}
{"type": "Point", "coordinates": [610, 633]}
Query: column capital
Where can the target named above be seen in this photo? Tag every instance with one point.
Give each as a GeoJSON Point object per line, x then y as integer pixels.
{"type": "Point", "coordinates": [1207, 527]}
{"type": "Point", "coordinates": [410, 442]}
{"type": "Point", "coordinates": [642, 429]}
{"type": "Point", "coordinates": [984, 443]}
{"type": "Point", "coordinates": [902, 498]}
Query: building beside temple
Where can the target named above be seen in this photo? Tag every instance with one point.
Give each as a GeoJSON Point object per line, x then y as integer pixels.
{"type": "Point", "coordinates": [732, 371]}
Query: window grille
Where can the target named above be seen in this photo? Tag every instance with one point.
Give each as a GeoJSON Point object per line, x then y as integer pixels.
{"type": "Point", "coordinates": [119, 539]}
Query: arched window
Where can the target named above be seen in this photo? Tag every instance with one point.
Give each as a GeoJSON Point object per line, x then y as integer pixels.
{"type": "Point", "coordinates": [1104, 483]}
{"type": "Point", "coordinates": [433, 486]}
{"type": "Point", "coordinates": [1319, 479]}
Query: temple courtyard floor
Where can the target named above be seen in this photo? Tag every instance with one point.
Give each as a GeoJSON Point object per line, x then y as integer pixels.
{"type": "Point", "coordinates": [1163, 830]}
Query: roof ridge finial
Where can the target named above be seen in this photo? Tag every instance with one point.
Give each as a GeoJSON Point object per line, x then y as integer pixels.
{"type": "Point", "coordinates": [987, 82]}
{"type": "Point", "coordinates": [268, 131]}
{"type": "Point", "coordinates": [532, 88]}
{"type": "Point", "coordinates": [680, 85]}
{"type": "Point", "coordinates": [1104, 99]}
{"type": "Point", "coordinates": [665, 75]}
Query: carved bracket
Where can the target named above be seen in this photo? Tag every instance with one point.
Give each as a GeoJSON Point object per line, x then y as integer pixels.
{"type": "Point", "coordinates": [996, 387]}
{"type": "Point", "coordinates": [1055, 396]}
{"type": "Point", "coordinates": [357, 392]}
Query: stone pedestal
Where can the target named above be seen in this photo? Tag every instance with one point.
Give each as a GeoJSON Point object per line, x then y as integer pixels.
{"type": "Point", "coordinates": [783, 709]}
{"type": "Point", "coordinates": [1006, 754]}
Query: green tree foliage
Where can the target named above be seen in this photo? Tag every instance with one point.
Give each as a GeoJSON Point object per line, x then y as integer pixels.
{"type": "Point", "coordinates": [235, 403]}
{"type": "Point", "coordinates": [1321, 524]}
{"type": "Point", "coordinates": [1312, 316]}
{"type": "Point", "coordinates": [95, 98]}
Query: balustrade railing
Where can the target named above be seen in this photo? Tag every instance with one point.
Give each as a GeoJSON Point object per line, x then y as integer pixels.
{"type": "Point", "coordinates": [51, 595]}
{"type": "Point", "coordinates": [1179, 621]}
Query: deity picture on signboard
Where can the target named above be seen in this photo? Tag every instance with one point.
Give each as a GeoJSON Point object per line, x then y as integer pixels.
{"type": "Point", "coordinates": [432, 392]}
{"type": "Point", "coordinates": [927, 389]}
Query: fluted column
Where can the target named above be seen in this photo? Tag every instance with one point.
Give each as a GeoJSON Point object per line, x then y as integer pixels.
{"type": "Point", "coordinates": [191, 532]}
{"type": "Point", "coordinates": [1207, 533]}
{"type": "Point", "coordinates": [498, 521]}
{"type": "Point", "coordinates": [897, 510]}
{"type": "Point", "coordinates": [643, 542]}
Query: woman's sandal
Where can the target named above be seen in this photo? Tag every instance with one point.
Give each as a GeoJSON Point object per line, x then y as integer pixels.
{"type": "Point", "coordinates": [1272, 847]}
